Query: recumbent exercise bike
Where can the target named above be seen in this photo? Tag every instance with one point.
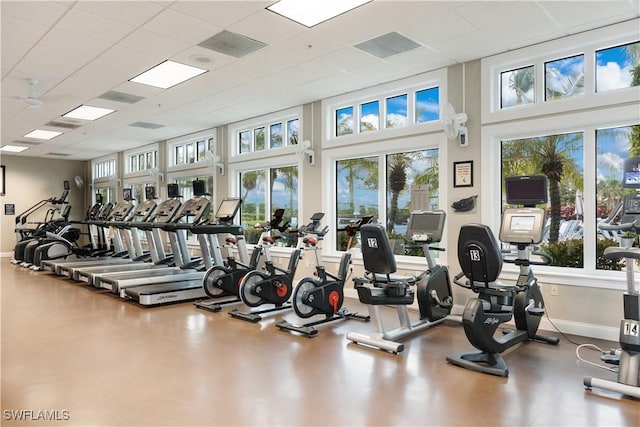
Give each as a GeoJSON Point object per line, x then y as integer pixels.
{"type": "Point", "coordinates": [381, 286]}
{"type": "Point", "coordinates": [481, 260]}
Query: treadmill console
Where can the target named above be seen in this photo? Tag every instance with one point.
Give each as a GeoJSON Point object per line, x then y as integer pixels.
{"type": "Point", "coordinates": [167, 210]}
{"type": "Point", "coordinates": [197, 209]}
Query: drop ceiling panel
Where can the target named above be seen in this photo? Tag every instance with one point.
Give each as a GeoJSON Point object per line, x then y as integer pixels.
{"type": "Point", "coordinates": [598, 12]}
{"type": "Point", "coordinates": [267, 27]}
{"type": "Point", "coordinates": [49, 62]}
{"type": "Point", "coordinates": [21, 29]}
{"type": "Point", "coordinates": [84, 24]}
{"type": "Point", "coordinates": [12, 52]}
{"type": "Point", "coordinates": [220, 13]}
{"type": "Point", "coordinates": [150, 43]}
{"type": "Point", "coordinates": [179, 26]}
{"type": "Point", "coordinates": [137, 12]}
{"type": "Point", "coordinates": [71, 43]}
{"type": "Point", "coordinates": [485, 14]}
{"type": "Point", "coordinates": [461, 50]}
{"type": "Point", "coordinates": [40, 12]}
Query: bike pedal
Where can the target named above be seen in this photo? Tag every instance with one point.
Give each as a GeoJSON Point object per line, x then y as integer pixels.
{"type": "Point", "coordinates": [611, 359]}
{"type": "Point", "coordinates": [536, 311]}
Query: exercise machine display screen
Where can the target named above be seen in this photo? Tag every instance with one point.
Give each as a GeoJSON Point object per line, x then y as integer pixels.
{"type": "Point", "coordinates": [522, 223]}
{"type": "Point", "coordinates": [426, 226]}
{"type": "Point", "coordinates": [127, 194]}
{"type": "Point", "coordinates": [99, 198]}
{"type": "Point", "coordinates": [528, 190]}
{"type": "Point", "coordinates": [66, 185]}
{"type": "Point", "coordinates": [199, 188]}
{"type": "Point", "coordinates": [150, 192]}
{"type": "Point", "coordinates": [173, 191]}
{"type": "Point", "coordinates": [228, 209]}
{"type": "Point", "coordinates": [631, 173]}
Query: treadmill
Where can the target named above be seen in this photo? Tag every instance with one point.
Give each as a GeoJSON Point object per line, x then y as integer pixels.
{"type": "Point", "coordinates": [139, 259]}
{"type": "Point", "coordinates": [120, 212]}
{"type": "Point", "coordinates": [176, 285]}
{"type": "Point", "coordinates": [169, 211]}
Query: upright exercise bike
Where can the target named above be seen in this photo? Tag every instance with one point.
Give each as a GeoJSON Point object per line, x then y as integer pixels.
{"type": "Point", "coordinates": [481, 260]}
{"type": "Point", "coordinates": [381, 286]}
{"type": "Point", "coordinates": [628, 359]}
{"type": "Point", "coordinates": [274, 285]}
{"type": "Point", "coordinates": [322, 294]}
{"type": "Point", "coordinates": [223, 279]}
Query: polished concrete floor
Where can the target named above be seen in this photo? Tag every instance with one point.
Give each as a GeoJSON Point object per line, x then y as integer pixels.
{"type": "Point", "coordinates": [90, 359]}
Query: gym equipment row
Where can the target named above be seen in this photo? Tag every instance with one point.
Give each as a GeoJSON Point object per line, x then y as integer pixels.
{"type": "Point", "coordinates": [227, 280]}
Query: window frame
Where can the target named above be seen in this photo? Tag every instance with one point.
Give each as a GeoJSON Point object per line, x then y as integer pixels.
{"type": "Point", "coordinates": [587, 43]}
{"type": "Point", "coordinates": [381, 93]}
{"type": "Point", "coordinates": [186, 140]}
{"type": "Point", "coordinates": [129, 154]}
{"type": "Point", "coordinates": [281, 118]}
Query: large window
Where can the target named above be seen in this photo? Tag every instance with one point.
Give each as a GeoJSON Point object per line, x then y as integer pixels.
{"type": "Point", "coordinates": [578, 117]}
{"type": "Point", "coordinates": [108, 194]}
{"type": "Point", "coordinates": [358, 194]}
{"type": "Point", "coordinates": [560, 158]}
{"type": "Point", "coordinates": [265, 190]}
{"type": "Point", "coordinates": [613, 146]}
{"type": "Point", "coordinates": [141, 161]}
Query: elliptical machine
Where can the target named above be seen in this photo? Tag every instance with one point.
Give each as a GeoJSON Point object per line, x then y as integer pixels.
{"type": "Point", "coordinates": [381, 287]}
{"type": "Point", "coordinates": [274, 285]}
{"type": "Point", "coordinates": [322, 294]}
{"type": "Point", "coordinates": [481, 259]}
{"type": "Point", "coordinates": [628, 358]}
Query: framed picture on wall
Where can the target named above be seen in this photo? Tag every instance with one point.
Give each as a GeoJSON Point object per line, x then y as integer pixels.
{"type": "Point", "coordinates": [463, 174]}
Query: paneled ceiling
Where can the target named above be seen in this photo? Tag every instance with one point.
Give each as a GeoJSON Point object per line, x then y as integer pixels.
{"type": "Point", "coordinates": [77, 51]}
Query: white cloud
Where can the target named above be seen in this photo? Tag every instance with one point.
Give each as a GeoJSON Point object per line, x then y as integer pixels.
{"type": "Point", "coordinates": [611, 76]}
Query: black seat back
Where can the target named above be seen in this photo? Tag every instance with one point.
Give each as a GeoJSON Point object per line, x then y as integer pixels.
{"type": "Point", "coordinates": [377, 254]}
{"type": "Point", "coordinates": [479, 255]}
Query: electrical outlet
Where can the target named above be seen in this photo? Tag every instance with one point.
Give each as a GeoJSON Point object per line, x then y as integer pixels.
{"type": "Point", "coordinates": [554, 290]}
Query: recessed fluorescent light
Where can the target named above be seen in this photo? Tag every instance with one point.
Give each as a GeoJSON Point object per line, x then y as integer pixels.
{"type": "Point", "coordinates": [87, 112]}
{"type": "Point", "coordinates": [313, 12]}
{"type": "Point", "coordinates": [42, 134]}
{"type": "Point", "coordinates": [13, 148]}
{"type": "Point", "coordinates": [167, 74]}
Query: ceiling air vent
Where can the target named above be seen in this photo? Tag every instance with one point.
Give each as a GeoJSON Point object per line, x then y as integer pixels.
{"type": "Point", "coordinates": [232, 44]}
{"type": "Point", "coordinates": [58, 154]}
{"type": "Point", "coordinates": [387, 45]}
{"type": "Point", "coordinates": [63, 125]}
{"type": "Point", "coordinates": [146, 125]}
{"type": "Point", "coordinates": [116, 96]}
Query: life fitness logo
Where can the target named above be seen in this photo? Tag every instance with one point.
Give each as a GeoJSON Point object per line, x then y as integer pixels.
{"type": "Point", "coordinates": [475, 255]}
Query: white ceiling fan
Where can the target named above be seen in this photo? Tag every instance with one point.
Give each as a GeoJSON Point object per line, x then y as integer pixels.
{"type": "Point", "coordinates": [32, 97]}
{"type": "Point", "coordinates": [454, 124]}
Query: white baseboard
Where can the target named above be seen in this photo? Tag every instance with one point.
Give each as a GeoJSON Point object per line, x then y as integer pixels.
{"type": "Point", "coordinates": [6, 254]}
{"type": "Point", "coordinates": [587, 330]}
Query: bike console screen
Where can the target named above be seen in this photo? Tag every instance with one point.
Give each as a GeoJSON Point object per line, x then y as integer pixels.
{"type": "Point", "coordinates": [522, 225]}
